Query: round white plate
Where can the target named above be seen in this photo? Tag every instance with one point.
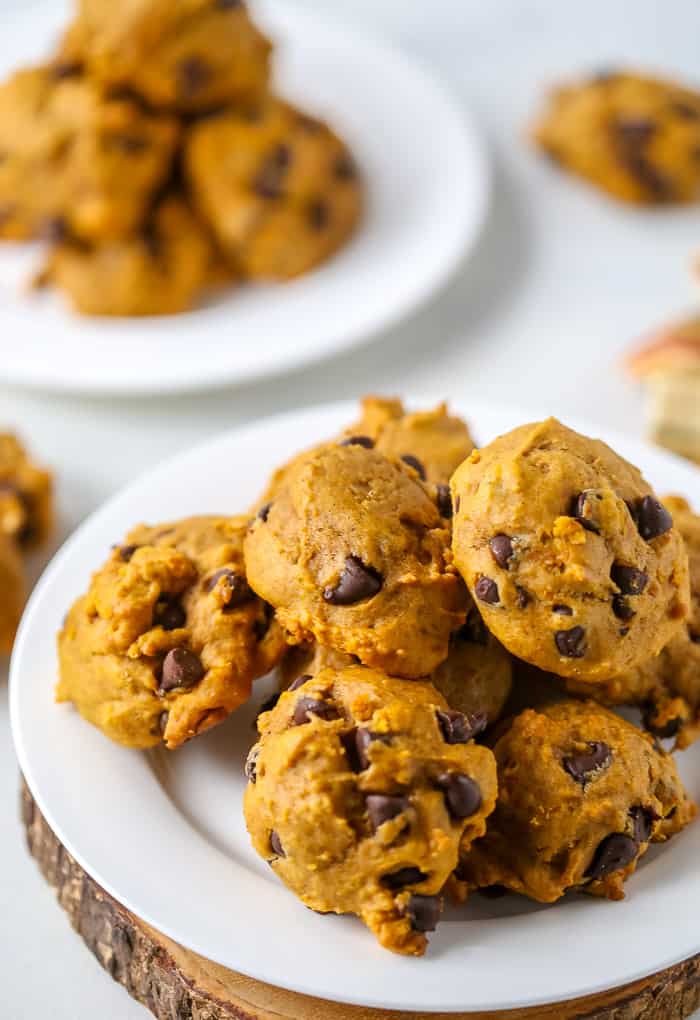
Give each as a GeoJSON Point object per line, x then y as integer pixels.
{"type": "Point", "coordinates": [164, 833]}
{"type": "Point", "coordinates": [428, 186]}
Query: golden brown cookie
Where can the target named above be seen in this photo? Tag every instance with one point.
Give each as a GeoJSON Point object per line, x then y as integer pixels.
{"type": "Point", "coordinates": [353, 553]}
{"type": "Point", "coordinates": [26, 495]}
{"type": "Point", "coordinates": [574, 564]}
{"type": "Point", "coordinates": [74, 161]}
{"type": "Point", "coordinates": [169, 637]}
{"type": "Point", "coordinates": [360, 791]}
{"type": "Point", "coordinates": [11, 592]}
{"type": "Point", "coordinates": [162, 270]}
{"type": "Point", "coordinates": [278, 188]}
{"type": "Point", "coordinates": [582, 794]}
{"type": "Point", "coordinates": [185, 55]}
{"type": "Point", "coordinates": [633, 136]}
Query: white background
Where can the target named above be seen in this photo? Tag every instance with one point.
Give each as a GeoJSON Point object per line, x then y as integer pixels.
{"type": "Point", "coordinates": [560, 284]}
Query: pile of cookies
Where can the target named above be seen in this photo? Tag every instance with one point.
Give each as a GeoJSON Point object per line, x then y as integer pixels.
{"type": "Point", "coordinates": [26, 517]}
{"type": "Point", "coordinates": [152, 154]}
{"type": "Point", "coordinates": [451, 625]}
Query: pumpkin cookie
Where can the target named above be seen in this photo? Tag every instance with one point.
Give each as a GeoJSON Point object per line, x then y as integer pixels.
{"type": "Point", "coordinates": [74, 161]}
{"type": "Point", "coordinates": [353, 553]}
{"type": "Point", "coordinates": [635, 137]}
{"type": "Point", "coordinates": [169, 637]}
{"type": "Point", "coordinates": [185, 55]}
{"type": "Point", "coordinates": [11, 592]}
{"type": "Point", "coordinates": [360, 791]}
{"type": "Point", "coordinates": [26, 496]}
{"type": "Point", "coordinates": [582, 794]}
{"type": "Point", "coordinates": [278, 188]}
{"type": "Point", "coordinates": [574, 564]}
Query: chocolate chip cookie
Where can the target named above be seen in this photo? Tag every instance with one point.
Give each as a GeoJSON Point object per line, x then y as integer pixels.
{"type": "Point", "coordinates": [26, 495]}
{"type": "Point", "coordinates": [360, 791]}
{"type": "Point", "coordinates": [353, 552]}
{"type": "Point", "coordinates": [11, 592]}
{"type": "Point", "coordinates": [582, 794]}
{"type": "Point", "coordinates": [574, 564]}
{"type": "Point", "coordinates": [190, 56]}
{"type": "Point", "coordinates": [279, 188]}
{"type": "Point", "coordinates": [636, 137]}
{"type": "Point", "coordinates": [169, 636]}
{"type": "Point", "coordinates": [74, 161]}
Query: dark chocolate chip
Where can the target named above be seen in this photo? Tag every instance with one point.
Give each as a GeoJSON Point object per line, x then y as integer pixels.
{"type": "Point", "coordinates": [169, 614]}
{"type": "Point", "coordinates": [251, 765]}
{"type": "Point", "coordinates": [269, 180]}
{"type": "Point", "coordinates": [522, 597]}
{"type": "Point", "coordinates": [623, 631]}
{"type": "Point", "coordinates": [653, 519]}
{"type": "Point", "coordinates": [236, 590]}
{"type": "Point", "coordinates": [582, 767]}
{"type": "Point", "coordinates": [562, 610]}
{"type": "Point", "coordinates": [356, 583]}
{"type": "Point", "coordinates": [614, 852]}
{"type": "Point", "coordinates": [685, 110]}
{"type": "Point", "coordinates": [634, 132]}
{"type": "Point", "coordinates": [581, 507]}
{"type": "Point", "coordinates": [501, 547]}
{"type": "Point", "coordinates": [192, 75]}
{"type": "Point", "coordinates": [458, 503]}
{"type": "Point", "coordinates": [264, 511]}
{"type": "Point", "coordinates": [571, 643]}
{"type": "Point", "coordinates": [55, 230]}
{"type": "Point", "coordinates": [457, 728]}
{"type": "Point", "coordinates": [642, 823]}
{"type": "Point", "coordinates": [66, 69]}
{"type": "Point", "coordinates": [319, 214]}
{"type": "Point", "coordinates": [403, 877]}
{"type": "Point", "coordinates": [356, 744]}
{"type": "Point", "coordinates": [695, 638]}
{"type": "Point", "coordinates": [299, 682]}
{"type": "Point", "coordinates": [276, 844]}
{"type": "Point", "coordinates": [423, 912]}
{"type": "Point", "coordinates": [305, 708]}
{"type": "Point", "coordinates": [443, 499]}
{"type": "Point", "coordinates": [629, 580]}
{"type": "Point", "coordinates": [344, 168]}
{"type": "Point", "coordinates": [621, 608]}
{"type": "Point", "coordinates": [382, 808]}
{"type": "Point", "coordinates": [181, 668]}
{"type": "Point", "coordinates": [358, 441]}
{"type": "Point", "coordinates": [413, 462]}
{"type": "Point", "coordinates": [130, 145]}
{"type": "Point", "coordinates": [310, 124]}
{"type": "Point", "coordinates": [486, 591]}
{"type": "Point", "coordinates": [648, 176]}
{"type": "Point", "coordinates": [462, 794]}
{"type": "Point", "coordinates": [227, 5]}
{"type": "Point", "coordinates": [126, 552]}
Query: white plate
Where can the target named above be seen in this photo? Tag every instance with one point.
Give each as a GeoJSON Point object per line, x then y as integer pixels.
{"type": "Point", "coordinates": [428, 187]}
{"type": "Point", "coordinates": [163, 832]}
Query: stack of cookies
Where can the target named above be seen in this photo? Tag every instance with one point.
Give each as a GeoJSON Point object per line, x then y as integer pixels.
{"type": "Point", "coordinates": [152, 154]}
{"type": "Point", "coordinates": [450, 627]}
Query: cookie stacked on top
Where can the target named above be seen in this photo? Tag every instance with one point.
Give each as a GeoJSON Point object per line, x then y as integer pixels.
{"type": "Point", "coordinates": [151, 153]}
{"type": "Point", "coordinates": [428, 605]}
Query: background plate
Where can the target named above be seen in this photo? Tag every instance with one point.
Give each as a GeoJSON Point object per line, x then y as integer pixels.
{"type": "Point", "coordinates": [427, 184]}
{"type": "Point", "coordinates": [164, 833]}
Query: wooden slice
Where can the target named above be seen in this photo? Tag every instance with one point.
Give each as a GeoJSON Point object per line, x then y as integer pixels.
{"type": "Point", "coordinates": [176, 984]}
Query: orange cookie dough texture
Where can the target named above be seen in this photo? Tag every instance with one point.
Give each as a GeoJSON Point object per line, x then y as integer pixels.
{"type": "Point", "coordinates": [160, 271]}
{"type": "Point", "coordinates": [574, 564]}
{"type": "Point", "coordinates": [169, 637]}
{"type": "Point", "coordinates": [353, 553]}
{"type": "Point", "coordinates": [26, 495]}
{"type": "Point", "coordinates": [189, 56]}
{"type": "Point", "coordinates": [12, 592]}
{"type": "Point", "coordinates": [278, 188]}
{"type": "Point", "coordinates": [476, 678]}
{"type": "Point", "coordinates": [633, 136]}
{"type": "Point", "coordinates": [582, 794]}
{"type": "Point", "coordinates": [360, 791]}
{"type": "Point", "coordinates": [74, 161]}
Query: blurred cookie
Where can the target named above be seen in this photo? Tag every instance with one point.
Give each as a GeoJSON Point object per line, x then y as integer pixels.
{"type": "Point", "coordinates": [26, 495]}
{"type": "Point", "coordinates": [12, 591]}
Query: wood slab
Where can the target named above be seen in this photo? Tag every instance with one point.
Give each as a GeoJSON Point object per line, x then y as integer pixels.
{"type": "Point", "coordinates": [176, 984]}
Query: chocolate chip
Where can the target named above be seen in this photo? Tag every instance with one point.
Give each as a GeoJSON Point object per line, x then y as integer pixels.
{"type": "Point", "coordinates": [192, 75]}
{"type": "Point", "coordinates": [621, 608]}
{"type": "Point", "coordinates": [458, 503]}
{"type": "Point", "coordinates": [581, 509]}
{"type": "Point", "coordinates": [305, 708]}
{"type": "Point", "coordinates": [270, 178]}
{"type": "Point", "coordinates": [403, 877]}
{"type": "Point", "coordinates": [236, 591]}
{"type": "Point", "coordinates": [501, 547]}
{"type": "Point", "coordinates": [358, 441]}
{"type": "Point", "coordinates": [276, 844]}
{"type": "Point", "coordinates": [462, 794]}
{"type": "Point", "coordinates": [443, 498]}
{"type": "Point", "coordinates": [647, 175]}
{"type": "Point", "coordinates": [685, 110]}
{"type": "Point", "coordinates": [299, 682]}
{"type": "Point", "coordinates": [581, 767]}
{"type": "Point", "coordinates": [264, 511]}
{"type": "Point", "coordinates": [381, 808]}
{"type": "Point", "coordinates": [614, 852]}
{"type": "Point", "coordinates": [486, 591]}
{"type": "Point", "coordinates": [344, 168]}
{"type": "Point", "coordinates": [634, 132]}
{"type": "Point", "coordinates": [181, 668]}
{"type": "Point", "coordinates": [629, 580]}
{"type": "Point", "coordinates": [695, 638]}
{"type": "Point", "coordinates": [227, 5]}
{"type": "Point", "coordinates": [562, 610]}
{"type": "Point", "coordinates": [251, 765]}
{"type": "Point", "coordinates": [413, 462]}
{"type": "Point", "coordinates": [126, 552]}
{"type": "Point", "coordinates": [319, 214]}
{"type": "Point", "coordinates": [357, 744]}
{"type": "Point", "coordinates": [169, 614]}
{"type": "Point", "coordinates": [55, 230]}
{"type": "Point", "coordinates": [623, 631]}
{"type": "Point", "coordinates": [571, 643]}
{"type": "Point", "coordinates": [653, 519]}
{"type": "Point", "coordinates": [131, 145]}
{"type": "Point", "coordinates": [66, 69]}
{"type": "Point", "coordinates": [522, 597]}
{"type": "Point", "coordinates": [457, 728]}
{"type": "Point", "coordinates": [356, 583]}
{"type": "Point", "coordinates": [310, 124]}
{"type": "Point", "coordinates": [663, 731]}
{"type": "Point", "coordinates": [642, 823]}
{"type": "Point", "coordinates": [423, 912]}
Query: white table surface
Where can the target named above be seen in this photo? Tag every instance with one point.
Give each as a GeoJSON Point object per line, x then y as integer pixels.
{"type": "Point", "coordinates": [559, 285]}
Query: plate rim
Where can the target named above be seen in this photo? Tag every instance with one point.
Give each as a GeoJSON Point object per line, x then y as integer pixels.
{"type": "Point", "coordinates": [340, 409]}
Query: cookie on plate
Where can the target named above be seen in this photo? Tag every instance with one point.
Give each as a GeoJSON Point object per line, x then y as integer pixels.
{"type": "Point", "coordinates": [360, 791]}
{"type": "Point", "coordinates": [169, 637]}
